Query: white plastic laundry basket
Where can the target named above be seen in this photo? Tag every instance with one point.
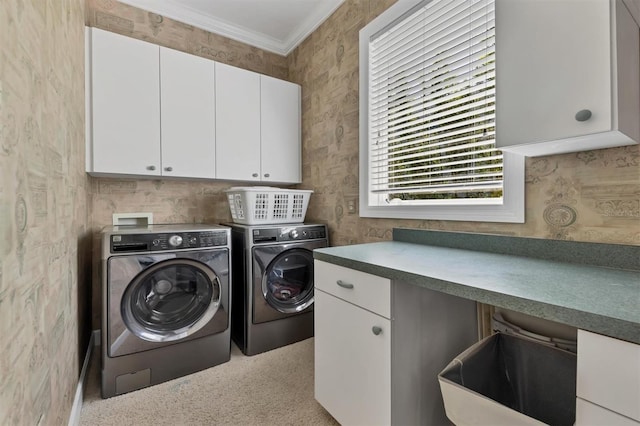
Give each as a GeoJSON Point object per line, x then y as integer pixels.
{"type": "Point", "coordinates": [258, 205]}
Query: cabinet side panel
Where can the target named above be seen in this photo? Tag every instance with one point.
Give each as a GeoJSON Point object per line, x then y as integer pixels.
{"type": "Point", "coordinates": [628, 71]}
{"type": "Point", "coordinates": [88, 127]}
{"type": "Point", "coordinates": [429, 329]}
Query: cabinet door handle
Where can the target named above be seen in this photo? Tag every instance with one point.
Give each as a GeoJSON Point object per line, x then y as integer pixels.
{"type": "Point", "coordinates": [267, 175]}
{"type": "Point", "coordinates": [583, 115]}
{"type": "Point", "coordinates": [343, 284]}
{"type": "Point", "coordinates": [151, 167]}
{"type": "Point", "coordinates": [168, 169]}
{"type": "Point", "coordinates": [255, 175]}
{"type": "Point", "coordinates": [376, 330]}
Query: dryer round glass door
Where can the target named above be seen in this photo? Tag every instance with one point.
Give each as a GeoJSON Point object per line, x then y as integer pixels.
{"type": "Point", "coordinates": [287, 283]}
{"type": "Point", "coordinates": [171, 300]}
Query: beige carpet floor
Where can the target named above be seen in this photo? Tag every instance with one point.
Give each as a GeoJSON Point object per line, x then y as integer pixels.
{"type": "Point", "coordinates": [272, 388]}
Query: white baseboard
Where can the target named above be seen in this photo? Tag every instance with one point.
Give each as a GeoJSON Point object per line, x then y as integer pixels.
{"type": "Point", "coordinates": [76, 409]}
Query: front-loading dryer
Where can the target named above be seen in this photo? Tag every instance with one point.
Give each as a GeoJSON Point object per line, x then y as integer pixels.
{"type": "Point", "coordinates": [166, 303]}
{"type": "Point", "coordinates": [273, 284]}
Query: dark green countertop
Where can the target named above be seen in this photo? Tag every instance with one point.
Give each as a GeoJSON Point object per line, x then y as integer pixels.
{"type": "Point", "coordinates": [596, 298]}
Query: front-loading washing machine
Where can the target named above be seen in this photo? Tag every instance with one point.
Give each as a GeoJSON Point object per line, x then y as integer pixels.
{"type": "Point", "coordinates": [273, 284]}
{"type": "Point", "coordinates": [166, 303]}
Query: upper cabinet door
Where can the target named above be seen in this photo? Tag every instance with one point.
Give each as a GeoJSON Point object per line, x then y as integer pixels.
{"type": "Point", "coordinates": [237, 123]}
{"type": "Point", "coordinates": [280, 130]}
{"type": "Point", "coordinates": [125, 105]}
{"type": "Point", "coordinates": [187, 114]}
{"type": "Point", "coordinates": [556, 75]}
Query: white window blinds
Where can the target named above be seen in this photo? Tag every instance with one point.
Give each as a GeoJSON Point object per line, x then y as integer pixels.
{"type": "Point", "coordinates": [431, 104]}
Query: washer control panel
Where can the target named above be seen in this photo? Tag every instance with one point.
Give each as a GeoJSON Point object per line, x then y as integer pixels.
{"type": "Point", "coordinates": [289, 233]}
{"type": "Point", "coordinates": [167, 241]}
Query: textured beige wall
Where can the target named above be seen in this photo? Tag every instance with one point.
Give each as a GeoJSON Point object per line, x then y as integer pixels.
{"type": "Point", "coordinates": [588, 196]}
{"type": "Point", "coordinates": [44, 246]}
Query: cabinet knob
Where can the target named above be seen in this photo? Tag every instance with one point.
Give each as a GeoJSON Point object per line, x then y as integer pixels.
{"type": "Point", "coordinates": [343, 284]}
{"type": "Point", "coordinates": [151, 167]}
{"type": "Point", "coordinates": [583, 115]}
{"type": "Point", "coordinates": [376, 330]}
{"type": "Point", "coordinates": [267, 175]}
{"type": "Point", "coordinates": [168, 169]}
{"type": "Point", "coordinates": [255, 175]}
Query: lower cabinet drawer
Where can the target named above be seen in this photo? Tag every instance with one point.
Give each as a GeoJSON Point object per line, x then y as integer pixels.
{"type": "Point", "coordinates": [588, 414]}
{"type": "Point", "coordinates": [352, 362]}
{"type": "Point", "coordinates": [609, 373]}
{"type": "Point", "coordinates": [366, 290]}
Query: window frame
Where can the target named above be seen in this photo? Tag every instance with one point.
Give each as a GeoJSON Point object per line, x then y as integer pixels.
{"type": "Point", "coordinates": [511, 210]}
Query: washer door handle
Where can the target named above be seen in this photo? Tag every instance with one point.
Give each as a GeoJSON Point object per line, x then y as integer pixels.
{"type": "Point", "coordinates": [343, 284]}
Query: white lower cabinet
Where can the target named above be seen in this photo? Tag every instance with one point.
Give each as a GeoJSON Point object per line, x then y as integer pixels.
{"type": "Point", "coordinates": [608, 381]}
{"type": "Point", "coordinates": [379, 346]}
{"type": "Point", "coordinates": [352, 362]}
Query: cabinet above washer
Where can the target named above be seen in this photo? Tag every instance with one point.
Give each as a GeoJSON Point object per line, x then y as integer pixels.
{"type": "Point", "coordinates": [123, 104]}
{"type": "Point", "coordinates": [151, 112]}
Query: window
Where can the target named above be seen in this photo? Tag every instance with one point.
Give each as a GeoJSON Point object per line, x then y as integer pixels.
{"type": "Point", "coordinates": [427, 116]}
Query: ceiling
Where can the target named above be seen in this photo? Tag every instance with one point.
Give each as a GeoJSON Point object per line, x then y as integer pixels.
{"type": "Point", "coordinates": [274, 25]}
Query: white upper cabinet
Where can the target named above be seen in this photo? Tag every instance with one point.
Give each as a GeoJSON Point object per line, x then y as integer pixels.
{"type": "Point", "coordinates": [567, 76]}
{"type": "Point", "coordinates": [155, 111]}
{"type": "Point", "coordinates": [258, 127]}
{"type": "Point", "coordinates": [125, 105]}
{"type": "Point", "coordinates": [152, 109]}
{"type": "Point", "coordinates": [238, 123]}
{"type": "Point", "coordinates": [187, 115]}
{"type": "Point", "coordinates": [280, 130]}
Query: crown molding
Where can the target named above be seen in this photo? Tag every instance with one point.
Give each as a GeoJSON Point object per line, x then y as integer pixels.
{"type": "Point", "coordinates": [187, 15]}
{"type": "Point", "coordinates": [311, 23]}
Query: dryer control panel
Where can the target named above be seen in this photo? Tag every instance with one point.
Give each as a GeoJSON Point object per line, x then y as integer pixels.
{"type": "Point", "coordinates": [288, 233]}
{"type": "Point", "coordinates": [123, 243]}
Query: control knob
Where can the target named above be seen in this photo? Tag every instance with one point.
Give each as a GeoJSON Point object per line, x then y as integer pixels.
{"type": "Point", "coordinates": [293, 234]}
{"type": "Point", "coordinates": [175, 240]}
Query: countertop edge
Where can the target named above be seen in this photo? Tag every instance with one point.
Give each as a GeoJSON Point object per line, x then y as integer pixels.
{"type": "Point", "coordinates": [613, 327]}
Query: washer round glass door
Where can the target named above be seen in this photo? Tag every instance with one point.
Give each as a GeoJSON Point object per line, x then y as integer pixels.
{"type": "Point", "coordinates": [171, 300]}
{"type": "Point", "coordinates": [287, 283]}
